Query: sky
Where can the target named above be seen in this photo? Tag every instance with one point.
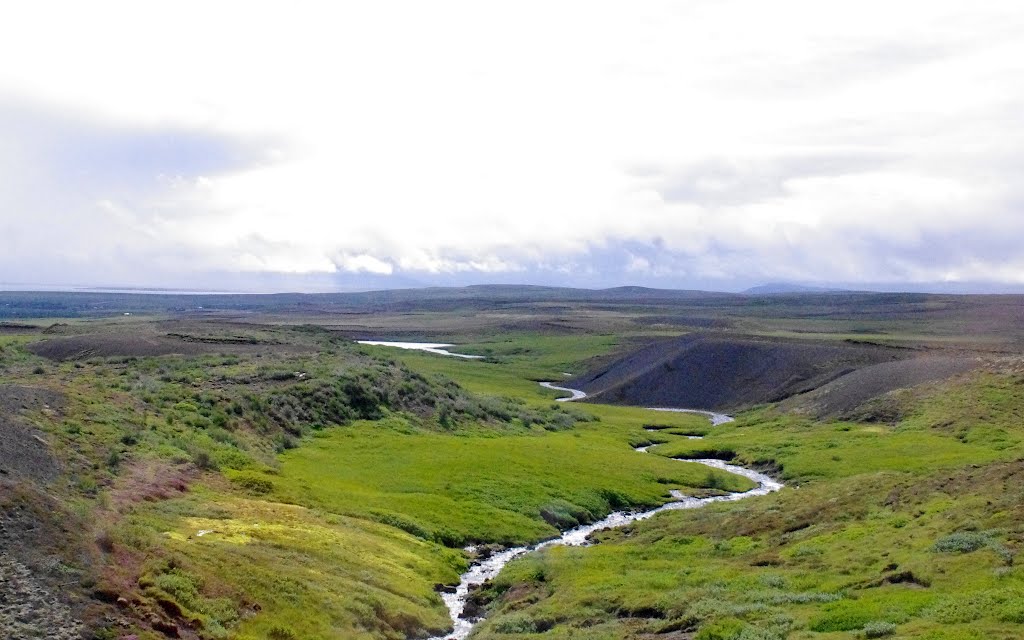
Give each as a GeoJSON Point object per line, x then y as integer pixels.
{"type": "Point", "coordinates": [319, 146]}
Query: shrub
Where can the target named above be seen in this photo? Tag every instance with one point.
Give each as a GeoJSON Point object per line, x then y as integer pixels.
{"type": "Point", "coordinates": [725, 629]}
{"type": "Point", "coordinates": [281, 633]}
{"type": "Point", "coordinates": [202, 459]}
{"type": "Point", "coordinates": [968, 541]}
{"type": "Point", "coordinates": [252, 482]}
{"type": "Point", "coordinates": [843, 615]}
{"type": "Point", "coordinates": [105, 541]}
{"type": "Point", "coordinates": [879, 629]}
{"type": "Point", "coordinates": [397, 521]}
{"type": "Point", "coordinates": [960, 542]}
{"type": "Point", "coordinates": [714, 481]}
{"type": "Point", "coordinates": [803, 597]}
{"type": "Point", "coordinates": [754, 633]}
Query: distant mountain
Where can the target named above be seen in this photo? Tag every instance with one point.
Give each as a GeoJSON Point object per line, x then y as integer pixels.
{"type": "Point", "coordinates": [773, 288]}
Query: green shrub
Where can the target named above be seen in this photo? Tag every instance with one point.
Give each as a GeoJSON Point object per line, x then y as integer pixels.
{"type": "Point", "coordinates": [842, 616]}
{"type": "Point", "coordinates": [961, 542]}
{"type": "Point", "coordinates": [725, 629]}
{"type": "Point", "coordinates": [202, 459]}
{"type": "Point", "coordinates": [755, 633]}
{"type": "Point", "coordinates": [252, 482]}
{"type": "Point", "coordinates": [281, 633]}
{"type": "Point", "coordinates": [1012, 612]}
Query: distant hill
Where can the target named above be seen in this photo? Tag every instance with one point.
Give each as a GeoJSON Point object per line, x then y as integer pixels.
{"type": "Point", "coordinates": [49, 304]}
{"type": "Point", "coordinates": [773, 288]}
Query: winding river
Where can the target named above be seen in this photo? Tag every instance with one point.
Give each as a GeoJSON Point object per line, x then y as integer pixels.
{"type": "Point", "coordinates": [487, 567]}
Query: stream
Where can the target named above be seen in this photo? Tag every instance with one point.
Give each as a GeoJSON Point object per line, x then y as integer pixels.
{"type": "Point", "coordinates": [429, 347]}
{"type": "Point", "coordinates": [484, 569]}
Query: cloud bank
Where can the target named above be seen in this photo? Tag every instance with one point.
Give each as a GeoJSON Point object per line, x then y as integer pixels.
{"type": "Point", "coordinates": [691, 145]}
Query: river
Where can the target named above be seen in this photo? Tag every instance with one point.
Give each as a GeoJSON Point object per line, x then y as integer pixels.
{"type": "Point", "coordinates": [486, 568]}
{"type": "Point", "coordinates": [429, 347]}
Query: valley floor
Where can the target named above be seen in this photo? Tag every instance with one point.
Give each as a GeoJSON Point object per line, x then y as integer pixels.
{"type": "Point", "coordinates": [278, 481]}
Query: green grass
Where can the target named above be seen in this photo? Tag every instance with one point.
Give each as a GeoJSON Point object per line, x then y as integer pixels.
{"type": "Point", "coordinates": [808, 452]}
{"type": "Point", "coordinates": [306, 503]}
{"type": "Point", "coordinates": [513, 364]}
{"type": "Point", "coordinates": [913, 526]}
{"type": "Point", "coordinates": [367, 580]}
{"type": "Point", "coordinates": [362, 520]}
{"type": "Point", "coordinates": [335, 509]}
{"type": "Point", "coordinates": [478, 487]}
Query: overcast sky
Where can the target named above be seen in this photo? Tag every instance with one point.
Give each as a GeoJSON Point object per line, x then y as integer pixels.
{"type": "Point", "coordinates": [691, 144]}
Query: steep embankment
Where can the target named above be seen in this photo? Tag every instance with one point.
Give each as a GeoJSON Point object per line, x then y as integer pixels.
{"type": "Point", "coordinates": [711, 371]}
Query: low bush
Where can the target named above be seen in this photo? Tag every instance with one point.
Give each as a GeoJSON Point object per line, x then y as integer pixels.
{"type": "Point", "coordinates": [961, 542]}
{"type": "Point", "coordinates": [879, 629]}
{"type": "Point", "coordinates": [252, 482]}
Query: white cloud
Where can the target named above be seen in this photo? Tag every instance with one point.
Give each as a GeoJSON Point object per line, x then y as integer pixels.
{"type": "Point", "coordinates": [365, 263]}
{"type": "Point", "coordinates": [705, 141]}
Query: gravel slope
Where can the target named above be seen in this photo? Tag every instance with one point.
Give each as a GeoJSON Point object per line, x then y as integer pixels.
{"type": "Point", "coordinates": [716, 372]}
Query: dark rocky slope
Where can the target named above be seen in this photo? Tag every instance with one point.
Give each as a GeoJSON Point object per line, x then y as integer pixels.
{"type": "Point", "coordinates": [719, 372]}
{"type": "Point", "coordinates": [846, 397]}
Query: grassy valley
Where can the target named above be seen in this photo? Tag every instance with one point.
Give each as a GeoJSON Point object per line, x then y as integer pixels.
{"type": "Point", "coordinates": [254, 474]}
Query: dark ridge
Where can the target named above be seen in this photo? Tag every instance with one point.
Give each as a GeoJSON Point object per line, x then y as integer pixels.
{"type": "Point", "coordinates": [717, 372]}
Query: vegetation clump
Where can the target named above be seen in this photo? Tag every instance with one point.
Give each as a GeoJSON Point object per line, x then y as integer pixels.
{"type": "Point", "coordinates": [879, 629]}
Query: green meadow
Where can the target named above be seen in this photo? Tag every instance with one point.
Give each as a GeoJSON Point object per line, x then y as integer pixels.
{"type": "Point", "coordinates": [336, 485]}
{"type": "Point", "coordinates": [481, 488]}
{"type": "Point", "coordinates": [304, 487]}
